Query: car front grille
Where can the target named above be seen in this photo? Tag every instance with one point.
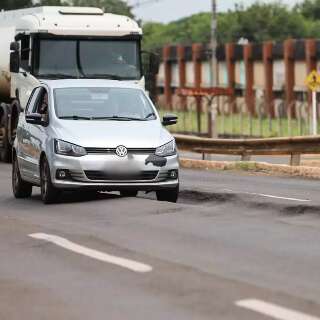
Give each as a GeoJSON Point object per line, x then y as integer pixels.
{"type": "Point", "coordinates": [113, 150]}
{"type": "Point", "coordinates": [109, 176]}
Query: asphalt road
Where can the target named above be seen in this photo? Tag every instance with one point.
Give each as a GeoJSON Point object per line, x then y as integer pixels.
{"type": "Point", "coordinates": [234, 247]}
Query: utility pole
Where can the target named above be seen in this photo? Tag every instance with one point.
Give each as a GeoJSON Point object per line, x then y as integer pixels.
{"type": "Point", "coordinates": [214, 69]}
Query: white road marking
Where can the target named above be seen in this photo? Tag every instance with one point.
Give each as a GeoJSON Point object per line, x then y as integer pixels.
{"type": "Point", "coordinates": [66, 244]}
{"type": "Point", "coordinates": [273, 311]}
{"type": "Point", "coordinates": [268, 196]}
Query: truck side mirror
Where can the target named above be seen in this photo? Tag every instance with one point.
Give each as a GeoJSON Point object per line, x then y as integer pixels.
{"type": "Point", "coordinates": [151, 63]}
{"type": "Point", "coordinates": [15, 57]}
{"type": "Point", "coordinates": [15, 46]}
{"type": "Point", "coordinates": [15, 62]}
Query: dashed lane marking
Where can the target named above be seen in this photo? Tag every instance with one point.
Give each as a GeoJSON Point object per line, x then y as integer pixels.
{"type": "Point", "coordinates": [273, 311]}
{"type": "Point", "coordinates": [94, 254]}
{"type": "Point", "coordinates": [268, 196]}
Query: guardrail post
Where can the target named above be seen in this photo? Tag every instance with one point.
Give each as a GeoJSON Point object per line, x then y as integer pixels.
{"type": "Point", "coordinates": [295, 159]}
{"type": "Point", "coordinates": [167, 76]}
{"type": "Point", "coordinates": [196, 58]}
{"type": "Point", "coordinates": [289, 46]}
{"type": "Point", "coordinates": [249, 95]}
{"type": "Point", "coordinates": [268, 71]}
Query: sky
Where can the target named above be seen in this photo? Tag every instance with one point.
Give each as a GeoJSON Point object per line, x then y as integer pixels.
{"type": "Point", "coordinates": [170, 10]}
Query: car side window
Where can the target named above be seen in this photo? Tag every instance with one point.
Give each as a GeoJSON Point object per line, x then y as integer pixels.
{"type": "Point", "coordinates": [42, 104]}
{"type": "Point", "coordinates": [32, 100]}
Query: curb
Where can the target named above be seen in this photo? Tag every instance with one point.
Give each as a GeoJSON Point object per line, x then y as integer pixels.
{"type": "Point", "coordinates": [253, 167]}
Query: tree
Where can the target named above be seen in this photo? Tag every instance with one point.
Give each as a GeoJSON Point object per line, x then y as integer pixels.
{"type": "Point", "coordinates": [15, 4]}
{"type": "Point", "coordinates": [310, 9]}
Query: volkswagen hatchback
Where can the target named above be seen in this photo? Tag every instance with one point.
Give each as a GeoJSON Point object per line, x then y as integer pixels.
{"type": "Point", "coordinates": [99, 135]}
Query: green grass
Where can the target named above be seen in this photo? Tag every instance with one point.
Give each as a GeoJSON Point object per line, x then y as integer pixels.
{"type": "Point", "coordinates": [238, 125]}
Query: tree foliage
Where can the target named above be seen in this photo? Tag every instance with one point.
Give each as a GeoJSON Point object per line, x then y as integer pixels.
{"type": "Point", "coordinates": [14, 4]}
{"type": "Point", "coordinates": [259, 22]}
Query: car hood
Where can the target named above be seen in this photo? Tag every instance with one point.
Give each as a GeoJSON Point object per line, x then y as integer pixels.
{"type": "Point", "coordinates": [110, 134]}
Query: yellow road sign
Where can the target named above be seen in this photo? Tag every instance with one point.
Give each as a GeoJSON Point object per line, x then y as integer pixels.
{"type": "Point", "coordinates": [313, 81]}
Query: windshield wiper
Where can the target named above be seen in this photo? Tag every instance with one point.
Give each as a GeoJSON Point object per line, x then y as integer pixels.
{"type": "Point", "coordinates": [58, 76]}
{"type": "Point", "coordinates": [116, 118]}
{"type": "Point", "coordinates": [75, 118]}
{"type": "Point", "coordinates": [102, 76]}
{"type": "Point", "coordinates": [152, 114]}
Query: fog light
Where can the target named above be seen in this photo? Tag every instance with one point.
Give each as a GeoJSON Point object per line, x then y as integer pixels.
{"type": "Point", "coordinates": [173, 174]}
{"type": "Point", "coordinates": [62, 174]}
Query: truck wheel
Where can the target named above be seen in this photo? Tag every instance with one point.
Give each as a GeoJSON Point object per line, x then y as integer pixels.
{"type": "Point", "coordinates": [49, 194]}
{"type": "Point", "coordinates": [170, 195]}
{"type": "Point", "coordinates": [5, 147]}
{"type": "Point", "coordinates": [14, 119]}
{"type": "Point", "coordinates": [21, 189]}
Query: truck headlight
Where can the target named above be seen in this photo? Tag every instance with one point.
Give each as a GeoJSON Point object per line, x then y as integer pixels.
{"type": "Point", "coordinates": [68, 149]}
{"type": "Point", "coordinates": [168, 149]}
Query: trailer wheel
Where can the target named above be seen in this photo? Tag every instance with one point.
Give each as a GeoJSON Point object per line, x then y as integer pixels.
{"type": "Point", "coordinates": [14, 119]}
{"type": "Point", "coordinates": [5, 147]}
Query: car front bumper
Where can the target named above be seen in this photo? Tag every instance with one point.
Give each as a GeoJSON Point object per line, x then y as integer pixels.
{"type": "Point", "coordinates": [111, 165]}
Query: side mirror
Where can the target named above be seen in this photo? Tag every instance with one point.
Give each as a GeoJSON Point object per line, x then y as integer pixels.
{"type": "Point", "coordinates": [151, 63]}
{"type": "Point", "coordinates": [154, 63]}
{"type": "Point", "coordinates": [15, 46]}
{"type": "Point", "coordinates": [35, 118]}
{"type": "Point", "coordinates": [15, 62]}
{"type": "Point", "coordinates": [169, 120]}
{"type": "Point", "coordinates": [15, 57]}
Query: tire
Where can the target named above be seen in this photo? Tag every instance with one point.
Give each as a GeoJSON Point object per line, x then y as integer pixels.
{"type": "Point", "coordinates": [129, 193]}
{"type": "Point", "coordinates": [6, 149]}
{"type": "Point", "coordinates": [15, 112]}
{"type": "Point", "coordinates": [169, 195]}
{"type": "Point", "coordinates": [49, 194]}
{"type": "Point", "coordinates": [21, 189]}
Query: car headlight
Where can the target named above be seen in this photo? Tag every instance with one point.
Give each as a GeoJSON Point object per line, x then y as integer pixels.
{"type": "Point", "coordinates": [68, 149]}
{"type": "Point", "coordinates": [168, 149]}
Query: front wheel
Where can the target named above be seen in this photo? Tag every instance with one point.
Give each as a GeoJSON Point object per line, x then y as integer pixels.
{"type": "Point", "coordinates": [170, 195]}
{"type": "Point", "coordinates": [49, 193]}
{"type": "Point", "coordinates": [21, 189]}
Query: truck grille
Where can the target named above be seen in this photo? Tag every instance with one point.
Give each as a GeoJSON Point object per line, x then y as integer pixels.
{"type": "Point", "coordinates": [109, 176]}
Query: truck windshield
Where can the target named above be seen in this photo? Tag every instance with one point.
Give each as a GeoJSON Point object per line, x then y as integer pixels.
{"type": "Point", "coordinates": [109, 104]}
{"type": "Point", "coordinates": [110, 59]}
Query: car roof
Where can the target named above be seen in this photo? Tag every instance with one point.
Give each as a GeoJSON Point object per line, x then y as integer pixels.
{"type": "Point", "coordinates": [82, 83]}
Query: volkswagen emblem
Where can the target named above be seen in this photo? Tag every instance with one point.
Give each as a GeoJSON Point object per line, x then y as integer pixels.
{"type": "Point", "coordinates": [121, 151]}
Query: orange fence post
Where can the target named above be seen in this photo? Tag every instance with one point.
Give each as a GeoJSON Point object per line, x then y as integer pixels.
{"type": "Point", "coordinates": [268, 71]}
{"type": "Point", "coordinates": [249, 91]}
{"type": "Point", "coordinates": [196, 58]}
{"type": "Point", "coordinates": [289, 46]}
{"type": "Point", "coordinates": [230, 48]}
{"type": "Point", "coordinates": [167, 76]}
{"type": "Point", "coordinates": [182, 73]}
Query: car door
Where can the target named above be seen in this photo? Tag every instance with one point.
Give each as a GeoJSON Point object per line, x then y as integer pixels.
{"type": "Point", "coordinates": [24, 138]}
{"type": "Point", "coordinates": [38, 134]}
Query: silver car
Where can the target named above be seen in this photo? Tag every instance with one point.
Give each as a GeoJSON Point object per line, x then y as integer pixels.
{"type": "Point", "coordinates": [100, 135]}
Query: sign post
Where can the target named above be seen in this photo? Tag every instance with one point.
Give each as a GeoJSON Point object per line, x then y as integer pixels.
{"type": "Point", "coordinates": [313, 82]}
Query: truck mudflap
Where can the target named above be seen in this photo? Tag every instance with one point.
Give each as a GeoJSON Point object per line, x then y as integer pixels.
{"type": "Point", "coordinates": [5, 146]}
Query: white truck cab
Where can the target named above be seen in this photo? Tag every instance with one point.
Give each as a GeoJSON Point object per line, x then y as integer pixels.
{"type": "Point", "coordinates": [63, 43]}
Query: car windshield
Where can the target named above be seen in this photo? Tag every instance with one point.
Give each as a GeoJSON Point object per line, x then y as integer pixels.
{"type": "Point", "coordinates": [109, 59]}
{"type": "Point", "coordinates": [109, 104]}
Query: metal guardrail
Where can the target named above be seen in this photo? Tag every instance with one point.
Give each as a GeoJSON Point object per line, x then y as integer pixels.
{"type": "Point", "coordinates": [294, 146]}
